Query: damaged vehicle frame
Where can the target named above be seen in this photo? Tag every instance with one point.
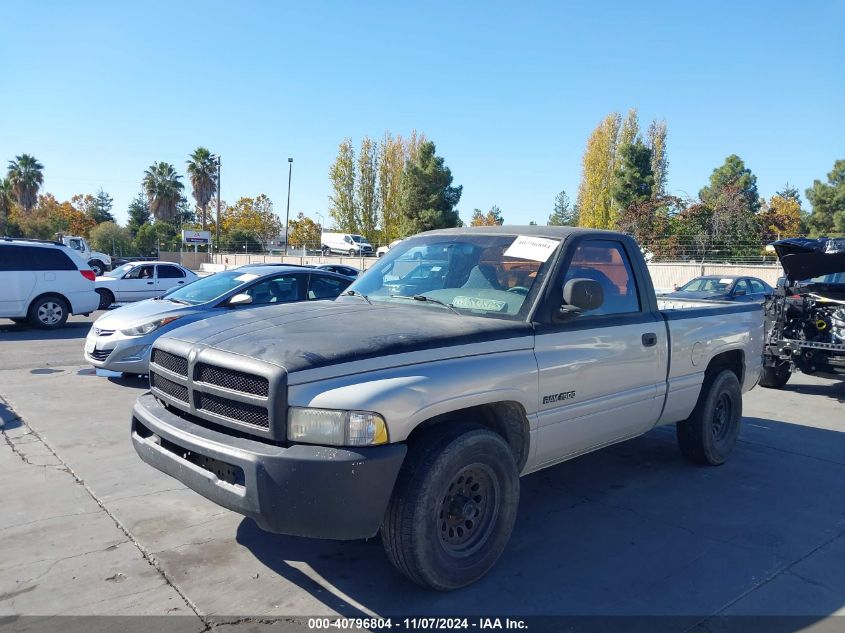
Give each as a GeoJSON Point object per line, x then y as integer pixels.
{"type": "Point", "coordinates": [805, 318]}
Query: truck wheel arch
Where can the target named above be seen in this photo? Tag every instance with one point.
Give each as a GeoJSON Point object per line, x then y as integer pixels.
{"type": "Point", "coordinates": [733, 360]}
{"type": "Point", "coordinates": [506, 418]}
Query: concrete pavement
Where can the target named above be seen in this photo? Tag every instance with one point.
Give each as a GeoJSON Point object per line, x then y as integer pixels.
{"type": "Point", "coordinates": [630, 530]}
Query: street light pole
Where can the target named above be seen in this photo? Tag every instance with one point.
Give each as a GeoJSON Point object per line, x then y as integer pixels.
{"type": "Point", "coordinates": [217, 224]}
{"type": "Point", "coordinates": [287, 211]}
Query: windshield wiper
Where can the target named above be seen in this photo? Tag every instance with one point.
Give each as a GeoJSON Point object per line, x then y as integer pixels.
{"type": "Point", "coordinates": [425, 299]}
{"type": "Point", "coordinates": [355, 293]}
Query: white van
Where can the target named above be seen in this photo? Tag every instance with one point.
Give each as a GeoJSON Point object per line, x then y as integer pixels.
{"type": "Point", "coordinates": [43, 283]}
{"type": "Point", "coordinates": [349, 244]}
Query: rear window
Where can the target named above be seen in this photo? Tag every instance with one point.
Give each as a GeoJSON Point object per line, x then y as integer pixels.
{"type": "Point", "coordinates": [17, 257]}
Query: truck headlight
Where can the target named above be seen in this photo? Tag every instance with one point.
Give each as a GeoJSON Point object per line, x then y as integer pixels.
{"type": "Point", "coordinates": [336, 428]}
{"type": "Point", "coordinates": [146, 328]}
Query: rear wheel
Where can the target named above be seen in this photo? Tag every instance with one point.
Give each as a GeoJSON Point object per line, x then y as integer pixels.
{"type": "Point", "coordinates": [106, 298]}
{"type": "Point", "coordinates": [775, 377]}
{"type": "Point", "coordinates": [351, 252]}
{"type": "Point", "coordinates": [709, 435]}
{"type": "Point", "coordinates": [453, 508]}
{"type": "Point", "coordinates": [48, 313]}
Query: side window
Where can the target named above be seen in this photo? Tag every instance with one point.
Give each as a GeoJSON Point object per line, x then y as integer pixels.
{"type": "Point", "coordinates": [606, 262]}
{"type": "Point", "coordinates": [347, 239]}
{"type": "Point", "coordinates": [76, 244]}
{"type": "Point", "coordinates": [15, 258]}
{"type": "Point", "coordinates": [170, 272]}
{"type": "Point", "coordinates": [321, 287]}
{"type": "Point", "coordinates": [49, 259]}
{"type": "Point", "coordinates": [756, 286]}
{"type": "Point", "coordinates": [141, 272]}
{"type": "Point", "coordinates": [742, 287]}
{"type": "Point", "coordinates": [275, 290]}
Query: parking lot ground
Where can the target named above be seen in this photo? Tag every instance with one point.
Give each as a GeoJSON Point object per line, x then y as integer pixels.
{"type": "Point", "coordinates": [627, 531]}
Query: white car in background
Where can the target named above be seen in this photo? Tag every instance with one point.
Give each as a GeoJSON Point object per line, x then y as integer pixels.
{"type": "Point", "coordinates": [43, 283]}
{"type": "Point", "coordinates": [382, 250]}
{"type": "Point", "coordinates": [136, 281]}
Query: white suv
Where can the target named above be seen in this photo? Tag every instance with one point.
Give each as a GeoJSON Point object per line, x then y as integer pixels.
{"type": "Point", "coordinates": [43, 283]}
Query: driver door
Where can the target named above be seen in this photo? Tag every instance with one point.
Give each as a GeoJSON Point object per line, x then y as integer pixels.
{"type": "Point", "coordinates": [137, 284]}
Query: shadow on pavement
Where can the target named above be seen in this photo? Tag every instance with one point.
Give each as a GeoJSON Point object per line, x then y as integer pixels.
{"type": "Point", "coordinates": [835, 390]}
{"type": "Point", "coordinates": [629, 530]}
{"type": "Point", "coordinates": [8, 419]}
{"type": "Point", "coordinates": [71, 330]}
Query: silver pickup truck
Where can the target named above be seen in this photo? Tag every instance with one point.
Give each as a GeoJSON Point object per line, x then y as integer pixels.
{"type": "Point", "coordinates": [412, 404]}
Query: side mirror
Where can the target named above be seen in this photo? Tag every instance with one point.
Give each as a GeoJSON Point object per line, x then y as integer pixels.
{"type": "Point", "coordinates": [241, 299]}
{"type": "Point", "coordinates": [580, 295]}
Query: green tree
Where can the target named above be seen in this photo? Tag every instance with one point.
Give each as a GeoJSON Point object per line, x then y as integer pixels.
{"type": "Point", "coordinates": [789, 193]}
{"type": "Point", "coordinates": [100, 209]}
{"type": "Point", "coordinates": [595, 204]}
{"type": "Point", "coordinates": [828, 201]}
{"type": "Point", "coordinates": [139, 213]}
{"type": "Point", "coordinates": [108, 237]}
{"type": "Point", "coordinates": [26, 175]}
{"type": "Point", "coordinates": [391, 162]}
{"type": "Point", "coordinates": [492, 218]}
{"type": "Point", "coordinates": [342, 206]}
{"type": "Point", "coordinates": [145, 242]}
{"type": "Point", "coordinates": [563, 214]}
{"type": "Point", "coordinates": [656, 137]}
{"type": "Point", "coordinates": [733, 174]}
{"type": "Point", "coordinates": [366, 190]}
{"type": "Point", "coordinates": [7, 200]}
{"type": "Point", "coordinates": [241, 241]}
{"type": "Point", "coordinates": [202, 171]}
{"type": "Point", "coordinates": [164, 190]}
{"type": "Point", "coordinates": [254, 217]}
{"type": "Point", "coordinates": [428, 197]}
{"type": "Point", "coordinates": [633, 180]}
{"type": "Point", "coordinates": [303, 231]}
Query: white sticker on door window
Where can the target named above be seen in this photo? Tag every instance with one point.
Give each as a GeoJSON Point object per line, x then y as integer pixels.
{"type": "Point", "coordinates": [537, 249]}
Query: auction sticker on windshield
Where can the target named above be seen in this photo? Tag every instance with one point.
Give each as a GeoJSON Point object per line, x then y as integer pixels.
{"type": "Point", "coordinates": [246, 277]}
{"type": "Point", "coordinates": [537, 249]}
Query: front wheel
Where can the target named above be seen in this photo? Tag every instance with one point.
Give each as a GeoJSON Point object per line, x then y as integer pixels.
{"type": "Point", "coordinates": [453, 508]}
{"type": "Point", "coordinates": [326, 251]}
{"type": "Point", "coordinates": [775, 377]}
{"type": "Point", "coordinates": [351, 252]}
{"type": "Point", "coordinates": [709, 435]}
{"type": "Point", "coordinates": [48, 313]}
{"type": "Point", "coordinates": [106, 298]}
{"type": "Point", "coordinates": [97, 266]}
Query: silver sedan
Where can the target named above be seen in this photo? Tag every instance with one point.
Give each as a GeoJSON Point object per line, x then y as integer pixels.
{"type": "Point", "coordinates": [120, 340]}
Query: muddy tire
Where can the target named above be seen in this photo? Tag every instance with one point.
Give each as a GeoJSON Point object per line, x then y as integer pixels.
{"type": "Point", "coordinates": [709, 435]}
{"type": "Point", "coordinates": [453, 508]}
{"type": "Point", "coordinates": [48, 313]}
{"type": "Point", "coordinates": [775, 377]}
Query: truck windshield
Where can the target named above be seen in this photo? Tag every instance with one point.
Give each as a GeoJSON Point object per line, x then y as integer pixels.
{"type": "Point", "coordinates": [357, 238]}
{"type": "Point", "coordinates": [487, 275]}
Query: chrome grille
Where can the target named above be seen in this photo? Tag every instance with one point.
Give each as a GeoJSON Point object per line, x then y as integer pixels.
{"type": "Point", "coordinates": [232, 379]}
{"type": "Point", "coordinates": [232, 409]}
{"type": "Point", "coordinates": [172, 389]}
{"type": "Point", "coordinates": [176, 364]}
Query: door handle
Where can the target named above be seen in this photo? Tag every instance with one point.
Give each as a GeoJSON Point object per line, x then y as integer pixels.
{"type": "Point", "coordinates": [180, 282]}
{"type": "Point", "coordinates": [149, 283]}
{"type": "Point", "coordinates": [649, 339]}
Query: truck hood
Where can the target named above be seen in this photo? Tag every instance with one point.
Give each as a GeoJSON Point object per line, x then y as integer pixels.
{"type": "Point", "coordinates": [301, 336]}
{"type": "Point", "coordinates": [803, 258]}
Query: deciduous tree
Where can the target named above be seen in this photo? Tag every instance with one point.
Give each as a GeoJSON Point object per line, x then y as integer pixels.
{"type": "Point", "coordinates": [391, 162]}
{"type": "Point", "coordinates": [594, 199]}
{"type": "Point", "coordinates": [254, 217]}
{"type": "Point", "coordinates": [656, 141]}
{"type": "Point", "coordinates": [780, 217]}
{"type": "Point", "coordinates": [342, 200]}
{"type": "Point", "coordinates": [492, 218]}
{"type": "Point", "coordinates": [303, 231]}
{"type": "Point", "coordinates": [108, 237]}
{"type": "Point", "coordinates": [366, 189]}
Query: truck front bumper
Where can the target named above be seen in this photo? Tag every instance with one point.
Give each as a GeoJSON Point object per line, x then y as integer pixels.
{"type": "Point", "coordinates": [302, 490]}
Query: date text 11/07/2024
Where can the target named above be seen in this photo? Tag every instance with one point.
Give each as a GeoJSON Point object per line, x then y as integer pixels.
{"type": "Point", "coordinates": [430, 624]}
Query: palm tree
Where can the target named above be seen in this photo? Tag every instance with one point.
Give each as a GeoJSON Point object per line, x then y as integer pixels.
{"type": "Point", "coordinates": [202, 168]}
{"type": "Point", "coordinates": [26, 175]}
{"type": "Point", "coordinates": [7, 199]}
{"type": "Point", "coordinates": [163, 189]}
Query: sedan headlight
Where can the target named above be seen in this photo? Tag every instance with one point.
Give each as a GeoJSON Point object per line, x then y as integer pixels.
{"type": "Point", "coordinates": [336, 428]}
{"type": "Point", "coordinates": [151, 326]}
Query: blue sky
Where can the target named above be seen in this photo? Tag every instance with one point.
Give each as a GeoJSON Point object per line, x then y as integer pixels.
{"type": "Point", "coordinates": [508, 91]}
